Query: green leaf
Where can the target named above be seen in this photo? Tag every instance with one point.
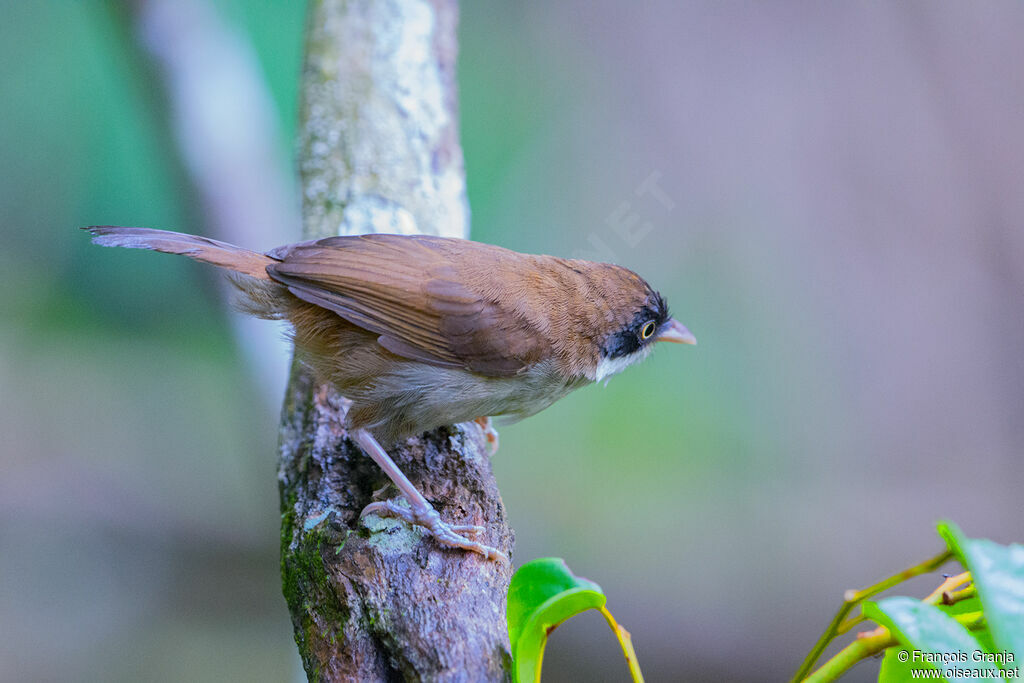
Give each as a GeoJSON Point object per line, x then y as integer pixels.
{"type": "Point", "coordinates": [543, 594]}
{"type": "Point", "coordinates": [897, 667]}
{"type": "Point", "coordinates": [929, 635]}
{"type": "Point", "coordinates": [969, 606]}
{"type": "Point", "coordinates": [998, 574]}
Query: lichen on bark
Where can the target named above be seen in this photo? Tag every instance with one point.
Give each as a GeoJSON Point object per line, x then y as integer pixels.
{"type": "Point", "coordinates": [379, 152]}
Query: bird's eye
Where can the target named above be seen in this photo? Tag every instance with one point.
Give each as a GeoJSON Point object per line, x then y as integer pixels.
{"type": "Point", "coordinates": [648, 329]}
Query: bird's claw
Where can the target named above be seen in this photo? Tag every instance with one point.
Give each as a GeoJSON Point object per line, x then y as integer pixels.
{"type": "Point", "coordinates": [446, 534]}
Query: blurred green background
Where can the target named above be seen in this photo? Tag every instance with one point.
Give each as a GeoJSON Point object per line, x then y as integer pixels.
{"type": "Point", "coordinates": [841, 227]}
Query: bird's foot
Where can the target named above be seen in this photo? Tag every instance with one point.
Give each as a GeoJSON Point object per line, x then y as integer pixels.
{"type": "Point", "coordinates": [490, 432]}
{"type": "Point", "coordinates": [446, 534]}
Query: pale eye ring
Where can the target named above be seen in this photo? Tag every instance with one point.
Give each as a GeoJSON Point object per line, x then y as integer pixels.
{"type": "Point", "coordinates": [647, 331]}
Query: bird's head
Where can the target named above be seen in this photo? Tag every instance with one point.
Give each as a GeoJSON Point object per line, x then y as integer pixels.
{"type": "Point", "coordinates": [635, 318]}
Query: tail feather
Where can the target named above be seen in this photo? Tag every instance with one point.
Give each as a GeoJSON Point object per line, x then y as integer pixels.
{"type": "Point", "coordinates": [199, 248]}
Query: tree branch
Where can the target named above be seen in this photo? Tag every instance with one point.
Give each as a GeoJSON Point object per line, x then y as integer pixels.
{"type": "Point", "coordinates": [379, 152]}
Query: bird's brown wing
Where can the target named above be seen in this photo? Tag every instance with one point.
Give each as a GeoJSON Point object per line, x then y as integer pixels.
{"type": "Point", "coordinates": [408, 290]}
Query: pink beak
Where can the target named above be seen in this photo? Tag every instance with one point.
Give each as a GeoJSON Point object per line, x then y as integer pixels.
{"type": "Point", "coordinates": [676, 333]}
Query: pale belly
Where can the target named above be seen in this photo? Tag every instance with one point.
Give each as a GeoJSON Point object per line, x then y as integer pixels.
{"type": "Point", "coordinates": [418, 397]}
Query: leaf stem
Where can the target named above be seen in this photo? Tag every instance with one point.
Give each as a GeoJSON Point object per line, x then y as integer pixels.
{"type": "Point", "coordinates": [626, 642]}
{"type": "Point", "coordinates": [850, 623]}
{"type": "Point", "coordinates": [943, 595]}
{"type": "Point", "coordinates": [540, 659]}
{"type": "Point", "coordinates": [867, 644]}
{"type": "Point", "coordinates": [852, 598]}
{"type": "Point", "coordinates": [870, 643]}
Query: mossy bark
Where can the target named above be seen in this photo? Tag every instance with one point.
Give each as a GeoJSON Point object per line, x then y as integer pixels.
{"type": "Point", "coordinates": [379, 152]}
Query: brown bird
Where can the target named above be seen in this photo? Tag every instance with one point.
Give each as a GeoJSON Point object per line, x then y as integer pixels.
{"type": "Point", "coordinates": [420, 332]}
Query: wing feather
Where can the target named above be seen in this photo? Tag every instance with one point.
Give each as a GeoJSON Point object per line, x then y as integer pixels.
{"type": "Point", "coordinates": [409, 290]}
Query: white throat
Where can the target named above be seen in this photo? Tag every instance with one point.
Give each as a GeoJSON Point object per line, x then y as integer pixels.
{"type": "Point", "coordinates": [613, 366]}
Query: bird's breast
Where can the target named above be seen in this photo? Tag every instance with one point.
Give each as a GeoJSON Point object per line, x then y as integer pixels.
{"type": "Point", "coordinates": [415, 397]}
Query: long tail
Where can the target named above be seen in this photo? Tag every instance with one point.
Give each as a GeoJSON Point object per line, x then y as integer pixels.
{"type": "Point", "coordinates": [199, 248]}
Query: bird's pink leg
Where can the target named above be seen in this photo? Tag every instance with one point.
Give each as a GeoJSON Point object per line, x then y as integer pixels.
{"type": "Point", "coordinates": [420, 512]}
{"type": "Point", "coordinates": [490, 432]}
